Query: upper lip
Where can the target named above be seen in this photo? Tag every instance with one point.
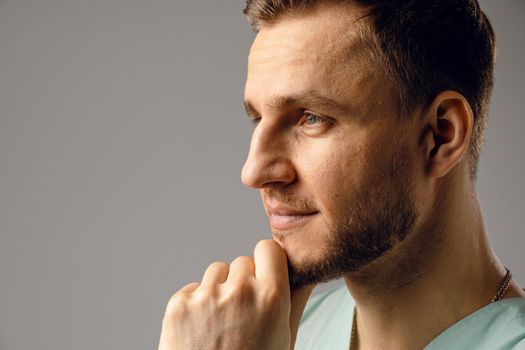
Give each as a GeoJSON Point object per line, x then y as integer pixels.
{"type": "Point", "coordinates": [284, 210]}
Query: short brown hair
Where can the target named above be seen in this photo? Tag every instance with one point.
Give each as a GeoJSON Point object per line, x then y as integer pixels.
{"type": "Point", "coordinates": [427, 46]}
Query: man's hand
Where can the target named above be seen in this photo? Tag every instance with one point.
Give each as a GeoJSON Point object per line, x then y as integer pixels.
{"type": "Point", "coordinates": [245, 305]}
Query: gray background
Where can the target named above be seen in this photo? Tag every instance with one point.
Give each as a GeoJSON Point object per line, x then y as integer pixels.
{"type": "Point", "coordinates": [122, 136]}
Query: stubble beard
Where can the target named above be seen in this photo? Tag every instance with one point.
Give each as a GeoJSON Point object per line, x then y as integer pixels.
{"type": "Point", "coordinates": [374, 221]}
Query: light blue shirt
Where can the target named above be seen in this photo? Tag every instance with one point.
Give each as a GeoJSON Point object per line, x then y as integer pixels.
{"type": "Point", "coordinates": [327, 321]}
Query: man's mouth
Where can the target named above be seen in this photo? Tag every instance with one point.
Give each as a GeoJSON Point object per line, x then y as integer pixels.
{"type": "Point", "coordinates": [285, 218]}
{"type": "Point", "coordinates": [286, 222]}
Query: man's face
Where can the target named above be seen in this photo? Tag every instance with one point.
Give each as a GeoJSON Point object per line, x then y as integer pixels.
{"type": "Point", "coordinates": [331, 160]}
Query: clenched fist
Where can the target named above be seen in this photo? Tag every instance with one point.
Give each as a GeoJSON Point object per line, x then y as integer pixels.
{"type": "Point", "coordinates": [246, 305]}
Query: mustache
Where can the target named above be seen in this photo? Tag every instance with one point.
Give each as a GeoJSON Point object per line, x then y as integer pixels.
{"type": "Point", "coordinates": [289, 199]}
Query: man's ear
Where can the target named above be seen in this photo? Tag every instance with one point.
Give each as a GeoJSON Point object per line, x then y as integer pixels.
{"type": "Point", "coordinates": [449, 127]}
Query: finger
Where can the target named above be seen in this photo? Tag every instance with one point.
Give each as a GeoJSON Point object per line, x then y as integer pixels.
{"type": "Point", "coordinates": [189, 288]}
{"type": "Point", "coordinates": [214, 275]}
{"type": "Point", "coordinates": [299, 297]}
{"type": "Point", "coordinates": [242, 268]}
{"type": "Point", "coordinates": [270, 263]}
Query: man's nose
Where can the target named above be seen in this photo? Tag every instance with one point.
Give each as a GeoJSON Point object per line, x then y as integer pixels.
{"type": "Point", "coordinates": [268, 161]}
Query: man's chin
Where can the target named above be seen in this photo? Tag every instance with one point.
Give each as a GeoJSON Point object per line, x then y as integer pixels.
{"type": "Point", "coordinates": [310, 273]}
{"type": "Point", "coordinates": [304, 266]}
{"type": "Point", "coordinates": [295, 250]}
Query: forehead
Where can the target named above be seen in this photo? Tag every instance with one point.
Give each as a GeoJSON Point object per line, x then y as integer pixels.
{"type": "Point", "coordinates": [326, 27]}
{"type": "Point", "coordinates": [323, 50]}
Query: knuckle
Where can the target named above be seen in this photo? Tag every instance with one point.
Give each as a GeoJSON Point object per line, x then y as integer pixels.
{"type": "Point", "coordinates": [203, 298]}
{"type": "Point", "coordinates": [265, 243]}
{"type": "Point", "coordinates": [243, 260]}
{"type": "Point", "coordinates": [190, 286]}
{"type": "Point", "coordinates": [218, 265]}
{"type": "Point", "coordinates": [177, 305]}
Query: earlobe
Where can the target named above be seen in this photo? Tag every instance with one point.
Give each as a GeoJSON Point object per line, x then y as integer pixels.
{"type": "Point", "coordinates": [450, 122]}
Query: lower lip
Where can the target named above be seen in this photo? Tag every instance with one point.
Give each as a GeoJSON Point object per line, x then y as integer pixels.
{"type": "Point", "coordinates": [286, 222]}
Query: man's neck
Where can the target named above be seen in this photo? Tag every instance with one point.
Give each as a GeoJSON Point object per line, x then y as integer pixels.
{"type": "Point", "coordinates": [431, 280]}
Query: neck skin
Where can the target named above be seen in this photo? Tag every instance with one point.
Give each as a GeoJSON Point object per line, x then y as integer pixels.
{"type": "Point", "coordinates": [437, 276]}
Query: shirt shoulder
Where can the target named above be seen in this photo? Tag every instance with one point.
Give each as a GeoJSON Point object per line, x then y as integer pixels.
{"type": "Point", "coordinates": [500, 325]}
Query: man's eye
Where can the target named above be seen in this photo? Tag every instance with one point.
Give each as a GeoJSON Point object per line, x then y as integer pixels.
{"type": "Point", "coordinates": [314, 124]}
{"type": "Point", "coordinates": [314, 119]}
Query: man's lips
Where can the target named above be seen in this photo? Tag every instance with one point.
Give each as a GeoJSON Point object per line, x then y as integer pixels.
{"type": "Point", "coordinates": [285, 218]}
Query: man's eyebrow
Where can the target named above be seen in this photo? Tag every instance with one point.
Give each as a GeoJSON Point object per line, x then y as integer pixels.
{"type": "Point", "coordinates": [306, 100]}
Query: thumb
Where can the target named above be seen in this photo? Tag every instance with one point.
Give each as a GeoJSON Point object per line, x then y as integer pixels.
{"type": "Point", "coordinates": [299, 297]}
